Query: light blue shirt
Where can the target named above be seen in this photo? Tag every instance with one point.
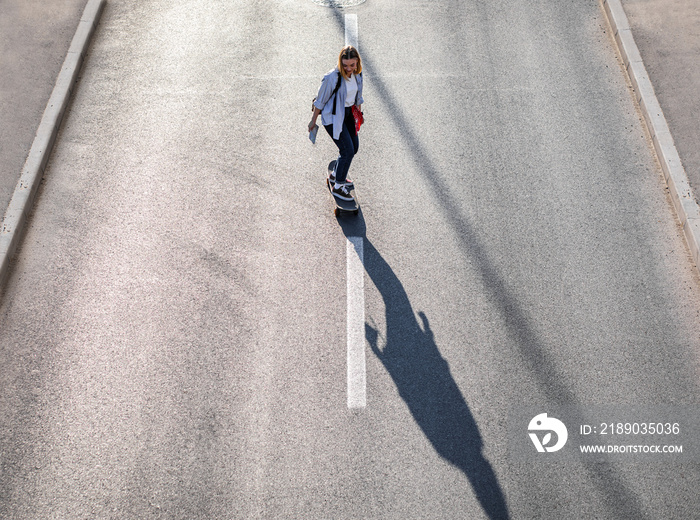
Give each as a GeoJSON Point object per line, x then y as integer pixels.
{"type": "Point", "coordinates": [324, 100]}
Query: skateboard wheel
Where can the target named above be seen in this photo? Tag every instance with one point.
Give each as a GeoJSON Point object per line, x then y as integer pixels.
{"type": "Point", "coordinates": [337, 212]}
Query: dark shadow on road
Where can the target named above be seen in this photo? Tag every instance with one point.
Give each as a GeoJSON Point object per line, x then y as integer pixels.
{"type": "Point", "coordinates": [422, 376]}
{"type": "Point", "coordinates": [412, 358]}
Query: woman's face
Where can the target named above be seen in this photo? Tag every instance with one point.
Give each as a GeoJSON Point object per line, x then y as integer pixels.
{"type": "Point", "coordinates": [349, 66]}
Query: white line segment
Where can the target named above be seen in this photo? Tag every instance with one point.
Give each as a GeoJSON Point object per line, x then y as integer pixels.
{"type": "Point", "coordinates": [357, 379]}
{"type": "Point", "coordinates": [351, 30]}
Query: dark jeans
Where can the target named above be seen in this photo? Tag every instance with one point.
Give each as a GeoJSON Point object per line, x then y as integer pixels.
{"type": "Point", "coordinates": [347, 144]}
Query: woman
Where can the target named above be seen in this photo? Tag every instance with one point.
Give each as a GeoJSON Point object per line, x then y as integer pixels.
{"type": "Point", "coordinates": [340, 90]}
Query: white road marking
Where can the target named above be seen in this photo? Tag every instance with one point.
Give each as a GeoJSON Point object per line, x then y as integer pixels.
{"type": "Point", "coordinates": [357, 379]}
{"type": "Point", "coordinates": [351, 30]}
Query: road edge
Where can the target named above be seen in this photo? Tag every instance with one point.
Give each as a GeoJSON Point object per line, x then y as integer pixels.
{"type": "Point", "coordinates": [33, 171]}
{"type": "Point", "coordinates": [684, 202]}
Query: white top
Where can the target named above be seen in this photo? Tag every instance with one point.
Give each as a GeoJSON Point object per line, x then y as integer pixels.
{"type": "Point", "coordinates": [351, 87]}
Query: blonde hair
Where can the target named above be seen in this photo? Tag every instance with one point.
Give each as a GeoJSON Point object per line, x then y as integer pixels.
{"type": "Point", "coordinates": [349, 53]}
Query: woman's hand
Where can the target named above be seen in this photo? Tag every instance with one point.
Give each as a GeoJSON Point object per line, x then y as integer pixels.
{"type": "Point", "coordinates": [314, 117]}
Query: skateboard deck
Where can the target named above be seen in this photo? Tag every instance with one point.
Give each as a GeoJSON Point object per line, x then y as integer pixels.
{"type": "Point", "coordinates": [343, 206]}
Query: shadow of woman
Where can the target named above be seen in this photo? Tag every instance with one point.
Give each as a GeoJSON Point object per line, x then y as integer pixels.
{"type": "Point", "coordinates": [422, 376]}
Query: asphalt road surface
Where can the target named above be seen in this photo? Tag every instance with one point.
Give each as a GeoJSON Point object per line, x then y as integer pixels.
{"type": "Point", "coordinates": [179, 332]}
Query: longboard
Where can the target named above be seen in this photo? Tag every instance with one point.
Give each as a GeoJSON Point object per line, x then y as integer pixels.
{"type": "Point", "coordinates": [343, 206]}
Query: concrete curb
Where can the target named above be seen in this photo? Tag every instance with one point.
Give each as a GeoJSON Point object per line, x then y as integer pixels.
{"type": "Point", "coordinates": [674, 173]}
{"type": "Point", "coordinates": [33, 170]}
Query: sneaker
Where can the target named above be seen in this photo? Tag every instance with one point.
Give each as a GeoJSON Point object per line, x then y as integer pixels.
{"type": "Point", "coordinates": [342, 192]}
{"type": "Point", "coordinates": [348, 183]}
